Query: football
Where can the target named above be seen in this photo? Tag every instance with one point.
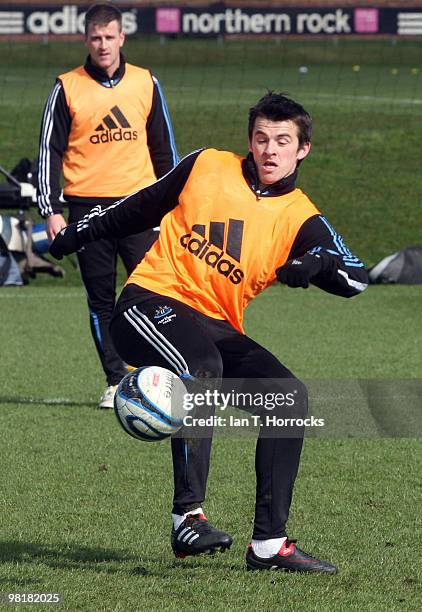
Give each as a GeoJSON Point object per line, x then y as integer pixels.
{"type": "Point", "coordinates": [149, 403]}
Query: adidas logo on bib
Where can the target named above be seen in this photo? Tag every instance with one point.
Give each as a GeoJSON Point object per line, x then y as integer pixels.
{"type": "Point", "coordinates": [214, 250]}
{"type": "Point", "coordinates": [114, 127]}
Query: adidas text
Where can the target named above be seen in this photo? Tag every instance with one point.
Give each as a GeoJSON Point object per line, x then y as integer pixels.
{"type": "Point", "coordinates": [116, 135]}
{"type": "Point", "coordinates": [213, 258]}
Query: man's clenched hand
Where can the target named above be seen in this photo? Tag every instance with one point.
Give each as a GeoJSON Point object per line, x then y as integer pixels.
{"type": "Point", "coordinates": [65, 242]}
{"type": "Point", "coordinates": [55, 223]}
{"type": "Point", "coordinates": [299, 271]}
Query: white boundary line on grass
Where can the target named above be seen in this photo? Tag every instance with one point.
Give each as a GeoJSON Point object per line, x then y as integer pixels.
{"type": "Point", "coordinates": [327, 96]}
{"type": "Point", "coordinates": [42, 294]}
{"type": "Point", "coordinates": [353, 98]}
{"type": "Point", "coordinates": [50, 401]}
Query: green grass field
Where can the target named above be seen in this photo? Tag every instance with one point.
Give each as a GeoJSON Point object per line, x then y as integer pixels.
{"type": "Point", "coordinates": [85, 508]}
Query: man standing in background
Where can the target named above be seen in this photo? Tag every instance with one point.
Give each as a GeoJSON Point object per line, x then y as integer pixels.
{"type": "Point", "coordinates": [106, 126]}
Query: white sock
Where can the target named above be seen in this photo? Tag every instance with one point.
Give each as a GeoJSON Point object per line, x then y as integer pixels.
{"type": "Point", "coordinates": [267, 548]}
{"type": "Point", "coordinates": [179, 518]}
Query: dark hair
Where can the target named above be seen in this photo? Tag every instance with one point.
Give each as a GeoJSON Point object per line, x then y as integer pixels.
{"type": "Point", "coordinates": [102, 14]}
{"type": "Point", "coordinates": [279, 107]}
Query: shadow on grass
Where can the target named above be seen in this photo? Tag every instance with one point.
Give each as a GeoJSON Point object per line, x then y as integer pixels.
{"type": "Point", "coordinates": [227, 562]}
{"type": "Point", "coordinates": [102, 560]}
{"type": "Point", "coordinates": [64, 556]}
{"type": "Point", "coordinates": [67, 403]}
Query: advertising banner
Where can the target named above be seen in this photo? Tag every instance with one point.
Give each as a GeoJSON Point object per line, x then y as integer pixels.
{"type": "Point", "coordinates": [218, 20]}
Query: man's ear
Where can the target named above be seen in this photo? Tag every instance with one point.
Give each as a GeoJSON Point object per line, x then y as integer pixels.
{"type": "Point", "coordinates": [303, 151]}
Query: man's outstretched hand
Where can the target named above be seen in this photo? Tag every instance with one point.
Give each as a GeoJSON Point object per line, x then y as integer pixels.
{"type": "Point", "coordinates": [299, 271]}
{"type": "Point", "coordinates": [65, 242]}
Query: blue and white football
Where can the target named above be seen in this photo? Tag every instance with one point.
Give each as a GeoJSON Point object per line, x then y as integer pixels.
{"type": "Point", "coordinates": [149, 403]}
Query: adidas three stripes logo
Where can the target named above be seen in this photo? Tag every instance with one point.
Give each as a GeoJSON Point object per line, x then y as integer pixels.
{"type": "Point", "coordinates": [187, 535]}
{"type": "Point", "coordinates": [110, 123]}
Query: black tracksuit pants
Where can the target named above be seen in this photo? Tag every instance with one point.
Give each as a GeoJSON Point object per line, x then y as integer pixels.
{"type": "Point", "coordinates": [98, 265]}
{"type": "Point", "coordinates": [161, 331]}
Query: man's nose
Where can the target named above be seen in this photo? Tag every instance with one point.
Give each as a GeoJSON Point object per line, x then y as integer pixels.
{"type": "Point", "coordinates": [270, 147]}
